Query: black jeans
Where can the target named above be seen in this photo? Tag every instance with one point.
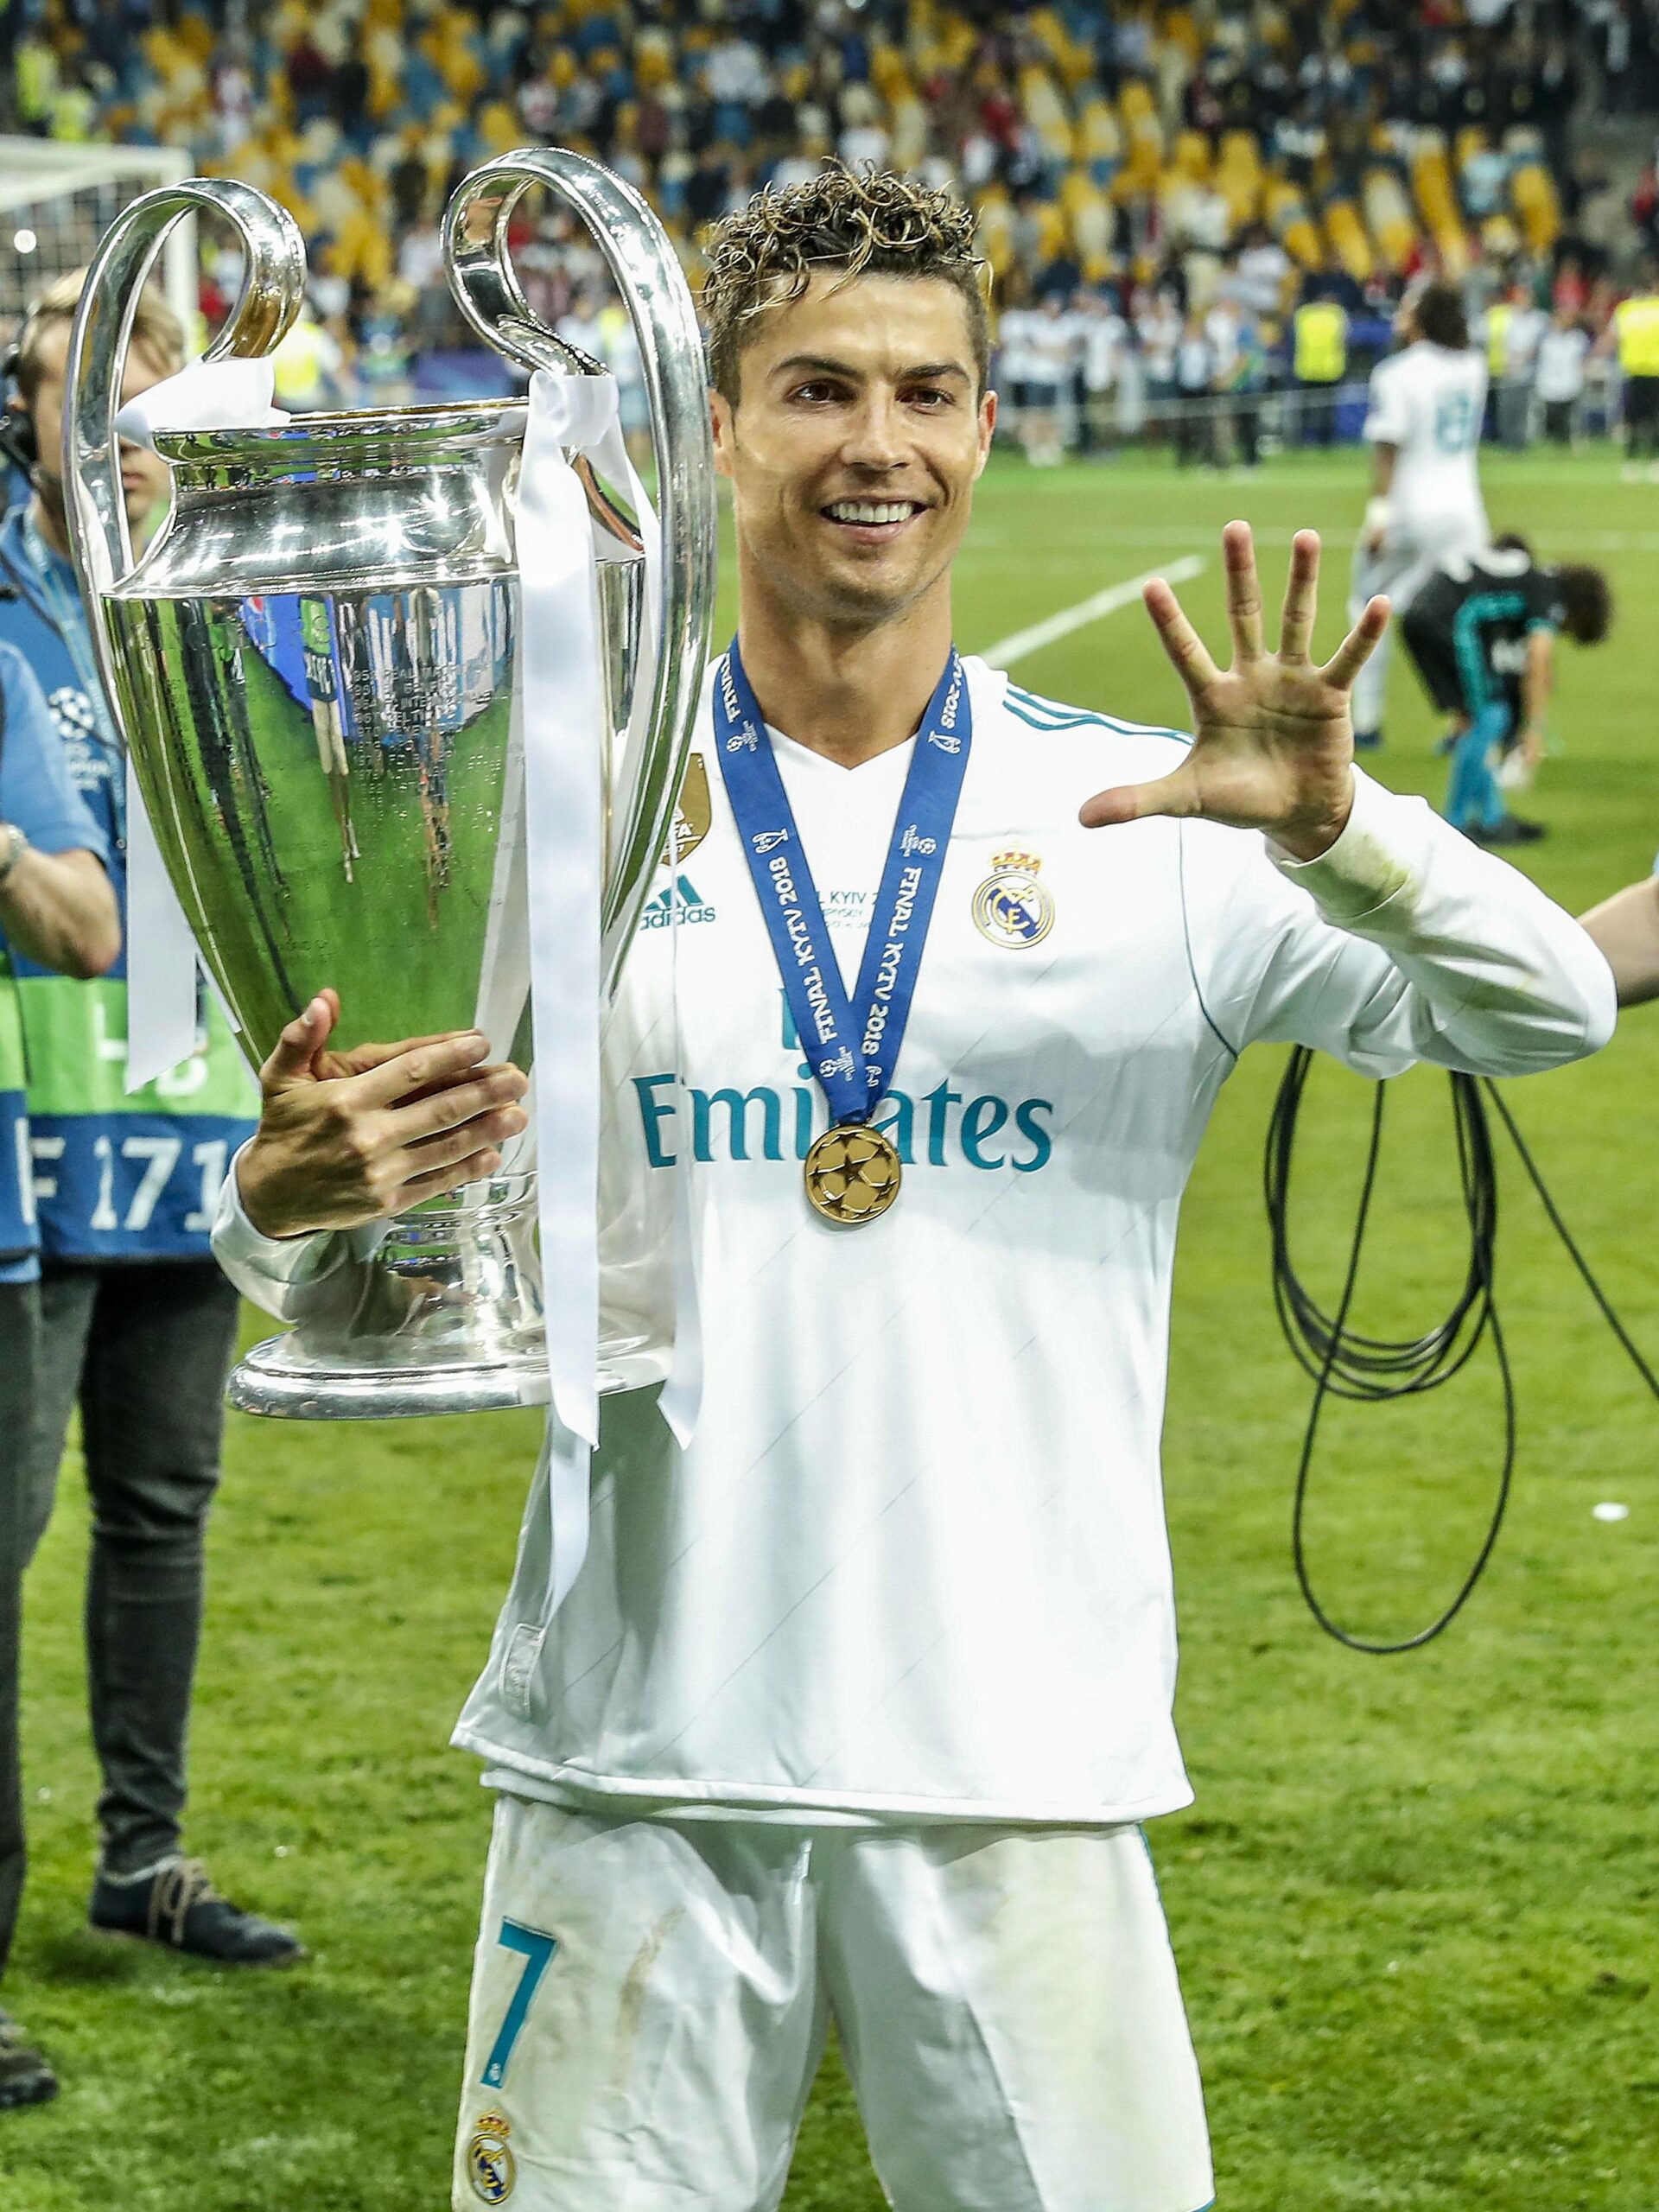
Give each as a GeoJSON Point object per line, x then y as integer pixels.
{"type": "Point", "coordinates": [20, 1344]}
{"type": "Point", "coordinates": [145, 1347]}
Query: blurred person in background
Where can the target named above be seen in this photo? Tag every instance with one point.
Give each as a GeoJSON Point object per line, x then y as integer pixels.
{"type": "Point", "coordinates": [1319, 363]}
{"type": "Point", "coordinates": [1523, 334]}
{"type": "Point", "coordinates": [1482, 631]}
{"type": "Point", "coordinates": [1014, 360]}
{"type": "Point", "coordinates": [1051, 348]}
{"type": "Point", "coordinates": [309, 368]}
{"type": "Point", "coordinates": [620, 351]}
{"type": "Point", "coordinates": [1246, 381]}
{"type": "Point", "coordinates": [57, 910]}
{"type": "Point", "coordinates": [1423, 426]}
{"type": "Point", "coordinates": [1157, 333]}
{"type": "Point", "coordinates": [1104, 341]}
{"type": "Point", "coordinates": [1562, 353]}
{"type": "Point", "coordinates": [1195, 385]}
{"type": "Point", "coordinates": [581, 327]}
{"type": "Point", "coordinates": [1633, 336]}
{"type": "Point", "coordinates": [137, 1323]}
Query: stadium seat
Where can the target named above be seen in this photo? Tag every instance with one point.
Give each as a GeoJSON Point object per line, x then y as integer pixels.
{"type": "Point", "coordinates": [1346, 234]}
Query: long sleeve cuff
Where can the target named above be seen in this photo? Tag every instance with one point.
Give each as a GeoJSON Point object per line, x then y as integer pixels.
{"type": "Point", "coordinates": [249, 1257]}
{"type": "Point", "coordinates": [1381, 854]}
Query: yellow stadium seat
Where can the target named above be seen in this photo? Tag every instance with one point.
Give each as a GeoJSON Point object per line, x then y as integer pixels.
{"type": "Point", "coordinates": [1301, 241]}
{"type": "Point", "coordinates": [1091, 229]}
{"type": "Point", "coordinates": [1348, 240]}
{"type": "Point", "coordinates": [1076, 186]}
{"type": "Point", "coordinates": [1431, 181]}
{"type": "Point", "coordinates": [1471, 140]}
{"type": "Point", "coordinates": [994, 229]}
{"type": "Point", "coordinates": [1190, 156]}
{"type": "Point", "coordinates": [1181, 29]}
{"type": "Point", "coordinates": [1537, 207]}
{"type": "Point", "coordinates": [1239, 176]}
{"type": "Point", "coordinates": [908, 124]}
{"type": "Point", "coordinates": [1097, 133]}
{"type": "Point", "coordinates": [499, 128]}
{"type": "Point", "coordinates": [888, 71]}
{"type": "Point", "coordinates": [1452, 247]}
{"type": "Point", "coordinates": [653, 57]}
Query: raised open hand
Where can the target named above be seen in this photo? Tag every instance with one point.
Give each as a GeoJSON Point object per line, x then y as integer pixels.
{"type": "Point", "coordinates": [1273, 745]}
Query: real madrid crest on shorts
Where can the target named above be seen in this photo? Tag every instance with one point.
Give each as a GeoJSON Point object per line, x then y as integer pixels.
{"type": "Point", "coordinates": [1011, 906]}
{"type": "Point", "coordinates": [491, 2167]}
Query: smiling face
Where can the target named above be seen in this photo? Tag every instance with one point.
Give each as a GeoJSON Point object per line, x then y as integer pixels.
{"type": "Point", "coordinates": [857, 438]}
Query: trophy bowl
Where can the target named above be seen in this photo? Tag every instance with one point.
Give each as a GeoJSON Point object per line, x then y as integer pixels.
{"type": "Point", "coordinates": [314, 666]}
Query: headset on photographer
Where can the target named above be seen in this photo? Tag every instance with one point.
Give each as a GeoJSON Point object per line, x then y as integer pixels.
{"type": "Point", "coordinates": [19, 441]}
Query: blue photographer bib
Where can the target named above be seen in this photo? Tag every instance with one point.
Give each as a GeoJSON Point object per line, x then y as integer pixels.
{"type": "Point", "coordinates": [117, 1176]}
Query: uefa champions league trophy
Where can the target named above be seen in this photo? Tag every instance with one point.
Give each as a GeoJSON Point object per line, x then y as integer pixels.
{"type": "Point", "coordinates": [314, 667]}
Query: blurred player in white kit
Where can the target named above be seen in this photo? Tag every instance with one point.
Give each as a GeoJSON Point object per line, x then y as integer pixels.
{"type": "Point", "coordinates": [859, 1699]}
{"type": "Point", "coordinates": [1427, 402]}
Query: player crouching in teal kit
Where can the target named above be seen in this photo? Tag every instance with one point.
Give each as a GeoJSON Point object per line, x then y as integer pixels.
{"type": "Point", "coordinates": [137, 1321]}
{"type": "Point", "coordinates": [1482, 631]}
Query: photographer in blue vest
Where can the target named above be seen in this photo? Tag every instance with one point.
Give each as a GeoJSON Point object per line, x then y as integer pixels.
{"type": "Point", "coordinates": [56, 908]}
{"type": "Point", "coordinates": [138, 1322]}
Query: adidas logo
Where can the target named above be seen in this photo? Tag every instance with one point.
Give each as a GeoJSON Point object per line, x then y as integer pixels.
{"type": "Point", "coordinates": [684, 895]}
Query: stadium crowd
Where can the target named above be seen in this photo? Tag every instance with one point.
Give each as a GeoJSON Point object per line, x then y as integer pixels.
{"type": "Point", "coordinates": [1187, 209]}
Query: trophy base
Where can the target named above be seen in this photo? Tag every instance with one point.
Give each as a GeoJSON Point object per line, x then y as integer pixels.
{"type": "Point", "coordinates": [443, 1316]}
{"type": "Point", "coordinates": [274, 1382]}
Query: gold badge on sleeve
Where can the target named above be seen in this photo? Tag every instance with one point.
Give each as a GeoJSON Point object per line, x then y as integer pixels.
{"type": "Point", "coordinates": [853, 1174]}
{"type": "Point", "coordinates": [491, 2167]}
{"type": "Point", "coordinates": [692, 813]}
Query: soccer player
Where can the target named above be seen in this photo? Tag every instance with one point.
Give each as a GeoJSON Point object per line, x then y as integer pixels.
{"type": "Point", "coordinates": [860, 1699]}
{"type": "Point", "coordinates": [1427, 404]}
{"type": "Point", "coordinates": [137, 1324]}
{"type": "Point", "coordinates": [1482, 631]}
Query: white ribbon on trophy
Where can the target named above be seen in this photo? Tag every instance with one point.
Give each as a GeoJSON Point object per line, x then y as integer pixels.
{"type": "Point", "coordinates": [162, 964]}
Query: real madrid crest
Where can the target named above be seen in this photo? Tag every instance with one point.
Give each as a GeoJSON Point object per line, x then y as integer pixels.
{"type": "Point", "coordinates": [1011, 906]}
{"type": "Point", "coordinates": [491, 2166]}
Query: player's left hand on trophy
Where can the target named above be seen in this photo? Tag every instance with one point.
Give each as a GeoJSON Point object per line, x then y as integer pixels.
{"type": "Point", "coordinates": [346, 1138]}
{"type": "Point", "coordinates": [1273, 745]}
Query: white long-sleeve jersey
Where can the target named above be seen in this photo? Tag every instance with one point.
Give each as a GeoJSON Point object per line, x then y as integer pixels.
{"type": "Point", "coordinates": [913, 1563]}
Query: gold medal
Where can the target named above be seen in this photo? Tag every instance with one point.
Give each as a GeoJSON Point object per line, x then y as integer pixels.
{"type": "Point", "coordinates": [852, 1174]}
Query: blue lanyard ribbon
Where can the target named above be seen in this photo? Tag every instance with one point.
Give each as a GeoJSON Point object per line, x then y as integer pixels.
{"type": "Point", "coordinates": [852, 1046]}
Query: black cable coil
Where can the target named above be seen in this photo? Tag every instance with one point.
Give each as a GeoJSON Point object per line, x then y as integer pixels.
{"type": "Point", "coordinates": [1348, 1364]}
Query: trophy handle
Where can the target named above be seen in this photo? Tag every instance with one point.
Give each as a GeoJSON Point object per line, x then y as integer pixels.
{"type": "Point", "coordinates": [647, 272]}
{"type": "Point", "coordinates": [273, 290]}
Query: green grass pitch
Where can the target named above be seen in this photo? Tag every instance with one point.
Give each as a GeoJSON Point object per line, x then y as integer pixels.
{"type": "Point", "coordinates": [1415, 1904]}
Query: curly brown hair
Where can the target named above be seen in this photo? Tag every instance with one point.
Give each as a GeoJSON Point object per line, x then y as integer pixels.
{"type": "Point", "coordinates": [873, 224]}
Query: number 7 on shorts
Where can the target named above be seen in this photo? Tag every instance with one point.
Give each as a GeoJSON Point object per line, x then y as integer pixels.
{"type": "Point", "coordinates": [536, 1950]}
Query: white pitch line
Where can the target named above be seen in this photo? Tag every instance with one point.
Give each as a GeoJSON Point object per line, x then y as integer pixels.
{"type": "Point", "coordinates": [1006, 651]}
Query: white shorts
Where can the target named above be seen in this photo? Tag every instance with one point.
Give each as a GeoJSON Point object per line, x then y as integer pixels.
{"type": "Point", "coordinates": [650, 1999]}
